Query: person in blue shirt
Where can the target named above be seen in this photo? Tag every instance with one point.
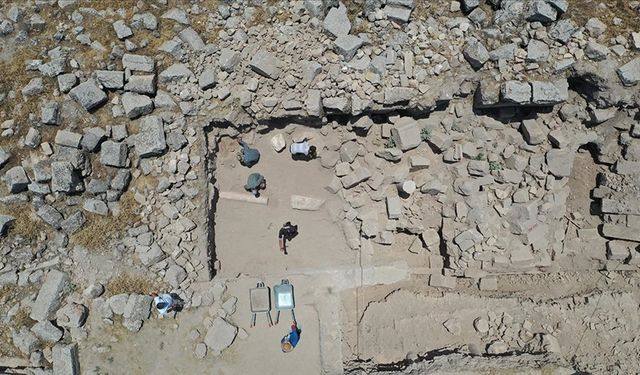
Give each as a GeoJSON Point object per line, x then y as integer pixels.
{"type": "Point", "coordinates": [255, 183]}
{"type": "Point", "coordinates": [248, 156]}
{"type": "Point", "coordinates": [164, 303]}
{"type": "Point", "coordinates": [290, 340]}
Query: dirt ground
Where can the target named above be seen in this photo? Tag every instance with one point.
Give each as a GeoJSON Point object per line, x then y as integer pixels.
{"type": "Point", "coordinates": [247, 233]}
{"type": "Point", "coordinates": [351, 305]}
{"type": "Point", "coordinates": [163, 346]}
{"type": "Point", "coordinates": [406, 318]}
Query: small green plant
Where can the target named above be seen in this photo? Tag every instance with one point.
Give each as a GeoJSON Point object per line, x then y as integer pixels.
{"type": "Point", "coordinates": [390, 143]}
{"type": "Point", "coordinates": [480, 156]}
{"type": "Point", "coordinates": [495, 166]}
{"type": "Point", "coordinates": [425, 134]}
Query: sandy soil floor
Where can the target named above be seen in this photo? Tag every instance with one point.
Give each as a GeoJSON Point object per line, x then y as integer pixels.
{"type": "Point", "coordinates": [247, 234]}
{"type": "Point", "coordinates": [163, 346]}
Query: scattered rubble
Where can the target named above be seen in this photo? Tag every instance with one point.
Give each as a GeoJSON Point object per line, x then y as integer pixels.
{"type": "Point", "coordinates": [449, 131]}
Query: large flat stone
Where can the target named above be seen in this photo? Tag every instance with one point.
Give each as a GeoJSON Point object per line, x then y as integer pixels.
{"type": "Point", "coordinates": [65, 360]}
{"type": "Point", "coordinates": [266, 64]}
{"type": "Point", "coordinates": [138, 63]}
{"type": "Point", "coordinates": [89, 95]}
{"type": "Point", "coordinates": [151, 140]}
{"type": "Point", "coordinates": [515, 92]}
{"type": "Point", "coordinates": [621, 232]}
{"type": "Point", "coordinates": [406, 135]}
{"type": "Point", "coordinates": [136, 105]}
{"type": "Point", "coordinates": [354, 178]}
{"type": "Point", "coordinates": [299, 202]}
{"type": "Point", "coordinates": [220, 336]}
{"type": "Point", "coordinates": [138, 307]}
{"type": "Point", "coordinates": [50, 296]}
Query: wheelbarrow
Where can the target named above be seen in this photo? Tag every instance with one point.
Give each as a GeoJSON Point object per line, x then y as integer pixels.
{"type": "Point", "coordinates": [260, 302]}
{"type": "Point", "coordinates": [284, 300]}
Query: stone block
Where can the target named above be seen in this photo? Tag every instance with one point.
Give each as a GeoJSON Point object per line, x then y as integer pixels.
{"type": "Point", "coordinates": [136, 105]}
{"type": "Point", "coordinates": [142, 84]}
{"type": "Point", "coordinates": [266, 64]}
{"type": "Point", "coordinates": [16, 179]}
{"type": "Point", "coordinates": [46, 331]}
{"type": "Point", "coordinates": [50, 296]}
{"type": "Point", "coordinates": [394, 207]}
{"type": "Point", "coordinates": [336, 23]}
{"type": "Point", "coordinates": [299, 202]}
{"type": "Point", "coordinates": [138, 307]}
{"type": "Point", "coordinates": [620, 250]}
{"type": "Point", "coordinates": [50, 215]}
{"type": "Point", "coordinates": [488, 283]}
{"type": "Point", "coordinates": [68, 139]}
{"type": "Point", "coordinates": [89, 95]}
{"type": "Point", "coordinates": [220, 335]}
{"type": "Point", "coordinates": [406, 136]}
{"type": "Point", "coordinates": [114, 154]}
{"type": "Point", "coordinates": [150, 141]}
{"type": "Point", "coordinates": [629, 73]}
{"type": "Point", "coordinates": [441, 281]}
{"type": "Point", "coordinates": [515, 92]}
{"type": "Point", "coordinates": [533, 131]}
{"type": "Point", "coordinates": [110, 79]}
{"type": "Point", "coordinates": [175, 73]}
{"type": "Point", "coordinates": [65, 360]}
{"type": "Point", "coordinates": [64, 178]}
{"type": "Point", "coordinates": [621, 232]}
{"type": "Point", "coordinates": [347, 46]}
{"type": "Point", "coordinates": [354, 178]}
{"type": "Point", "coordinates": [138, 63]}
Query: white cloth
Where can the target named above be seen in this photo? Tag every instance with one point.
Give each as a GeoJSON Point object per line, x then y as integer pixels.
{"type": "Point", "coordinates": [300, 148]}
{"type": "Point", "coordinates": [163, 298]}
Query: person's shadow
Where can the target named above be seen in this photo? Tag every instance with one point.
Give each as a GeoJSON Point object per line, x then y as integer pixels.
{"type": "Point", "coordinates": [302, 157]}
{"type": "Point", "coordinates": [179, 302]}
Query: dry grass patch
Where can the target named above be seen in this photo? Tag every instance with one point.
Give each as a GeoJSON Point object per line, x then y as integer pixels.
{"type": "Point", "coordinates": [8, 292]}
{"type": "Point", "coordinates": [199, 22]}
{"type": "Point", "coordinates": [6, 347]}
{"type": "Point", "coordinates": [26, 224]}
{"type": "Point", "coordinates": [132, 284]}
{"type": "Point", "coordinates": [362, 27]}
{"type": "Point", "coordinates": [283, 16]}
{"type": "Point", "coordinates": [10, 295]}
{"type": "Point", "coordinates": [14, 74]}
{"type": "Point", "coordinates": [114, 5]}
{"type": "Point", "coordinates": [22, 319]}
{"type": "Point", "coordinates": [145, 182]}
{"type": "Point", "coordinates": [259, 17]}
{"type": "Point", "coordinates": [354, 8]}
{"type": "Point", "coordinates": [14, 77]}
{"type": "Point", "coordinates": [581, 10]}
{"type": "Point", "coordinates": [98, 231]}
{"type": "Point", "coordinates": [430, 8]}
{"type": "Point", "coordinates": [90, 58]}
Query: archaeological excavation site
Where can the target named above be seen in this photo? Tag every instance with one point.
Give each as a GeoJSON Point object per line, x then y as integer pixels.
{"type": "Point", "coordinates": [319, 187]}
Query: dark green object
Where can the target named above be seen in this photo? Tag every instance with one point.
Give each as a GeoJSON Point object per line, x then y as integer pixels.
{"type": "Point", "coordinates": [254, 181]}
{"type": "Point", "coordinates": [248, 156]}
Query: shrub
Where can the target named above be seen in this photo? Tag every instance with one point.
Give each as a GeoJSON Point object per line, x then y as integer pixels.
{"type": "Point", "coordinates": [390, 143]}
{"type": "Point", "coordinates": [425, 134]}
{"type": "Point", "coordinates": [495, 166]}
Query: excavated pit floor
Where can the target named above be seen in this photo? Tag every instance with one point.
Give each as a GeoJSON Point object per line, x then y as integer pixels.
{"type": "Point", "coordinates": [247, 233]}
